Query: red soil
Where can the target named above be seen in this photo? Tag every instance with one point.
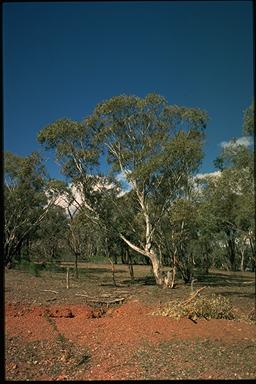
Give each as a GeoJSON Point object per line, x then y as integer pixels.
{"type": "Point", "coordinates": [113, 337]}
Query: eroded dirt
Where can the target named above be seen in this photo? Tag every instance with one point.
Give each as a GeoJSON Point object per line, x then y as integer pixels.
{"type": "Point", "coordinates": [53, 333]}
{"type": "Point", "coordinates": [77, 342]}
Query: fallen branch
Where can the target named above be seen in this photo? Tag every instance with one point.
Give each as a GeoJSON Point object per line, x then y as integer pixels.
{"type": "Point", "coordinates": [109, 301]}
{"type": "Point", "coordinates": [49, 290]}
{"type": "Point", "coordinates": [101, 300]}
{"type": "Point", "coordinates": [81, 294]}
{"type": "Point", "coordinates": [248, 282]}
{"type": "Point", "coordinates": [237, 282]}
{"type": "Point", "coordinates": [67, 278]}
{"type": "Point", "coordinates": [193, 296]}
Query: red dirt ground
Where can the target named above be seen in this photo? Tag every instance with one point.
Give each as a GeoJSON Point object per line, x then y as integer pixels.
{"type": "Point", "coordinates": [112, 337]}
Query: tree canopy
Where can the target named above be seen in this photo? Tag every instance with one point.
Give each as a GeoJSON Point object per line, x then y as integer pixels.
{"type": "Point", "coordinates": [169, 216]}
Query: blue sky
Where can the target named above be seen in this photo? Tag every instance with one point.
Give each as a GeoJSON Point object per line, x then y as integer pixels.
{"type": "Point", "coordinates": [61, 59]}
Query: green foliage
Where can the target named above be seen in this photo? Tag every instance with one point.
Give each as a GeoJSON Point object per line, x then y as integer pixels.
{"type": "Point", "coordinates": [228, 205]}
{"type": "Point", "coordinates": [73, 143]}
{"type": "Point", "coordinates": [249, 120]}
{"type": "Point", "coordinates": [25, 200]}
{"type": "Point", "coordinates": [30, 267]}
{"type": "Point", "coordinates": [146, 136]}
{"type": "Point", "coordinates": [49, 239]}
{"type": "Point", "coordinates": [55, 268]}
{"type": "Point", "coordinates": [157, 147]}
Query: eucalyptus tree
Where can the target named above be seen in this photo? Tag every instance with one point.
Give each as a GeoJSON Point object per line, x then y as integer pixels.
{"type": "Point", "coordinates": [229, 198]}
{"type": "Point", "coordinates": [25, 201]}
{"type": "Point", "coordinates": [183, 232]}
{"type": "Point", "coordinates": [75, 153]}
{"type": "Point", "coordinates": [233, 214]}
{"type": "Point", "coordinates": [157, 147]}
{"type": "Point", "coordinates": [179, 233]}
{"type": "Point", "coordinates": [249, 120]}
{"type": "Point", "coordinates": [89, 195]}
{"type": "Point", "coordinates": [48, 243]}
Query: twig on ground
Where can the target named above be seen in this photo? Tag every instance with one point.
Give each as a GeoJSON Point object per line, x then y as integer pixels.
{"type": "Point", "coordinates": [49, 290]}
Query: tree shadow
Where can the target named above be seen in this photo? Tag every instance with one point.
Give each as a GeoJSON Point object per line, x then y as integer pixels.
{"type": "Point", "coordinates": [100, 270]}
{"type": "Point", "coordinates": [221, 279]}
{"type": "Point", "coordinates": [147, 280]}
{"type": "Point", "coordinates": [239, 294]}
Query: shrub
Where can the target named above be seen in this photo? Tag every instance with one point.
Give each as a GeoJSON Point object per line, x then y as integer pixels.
{"type": "Point", "coordinates": [29, 266]}
{"type": "Point", "coordinates": [52, 267]}
{"type": "Point", "coordinates": [34, 269]}
{"type": "Point", "coordinates": [252, 316]}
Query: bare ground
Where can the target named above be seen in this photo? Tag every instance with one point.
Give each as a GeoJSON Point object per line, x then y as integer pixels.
{"type": "Point", "coordinates": [54, 333]}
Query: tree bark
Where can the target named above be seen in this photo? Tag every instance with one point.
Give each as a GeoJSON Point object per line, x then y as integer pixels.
{"type": "Point", "coordinates": [113, 271]}
{"type": "Point", "coordinates": [242, 260]}
{"type": "Point", "coordinates": [76, 264]}
{"type": "Point", "coordinates": [67, 278]}
{"type": "Point", "coordinates": [152, 256]}
{"type": "Point", "coordinates": [232, 254]}
{"type": "Point", "coordinates": [156, 269]}
{"type": "Point", "coordinates": [129, 262]}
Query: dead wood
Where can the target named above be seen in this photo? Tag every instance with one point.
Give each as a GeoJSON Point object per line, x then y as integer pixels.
{"type": "Point", "coordinates": [121, 299]}
{"type": "Point", "coordinates": [193, 296]}
{"type": "Point", "coordinates": [248, 282]}
{"type": "Point", "coordinates": [67, 278]}
{"type": "Point", "coordinates": [49, 290]}
{"type": "Point", "coordinates": [99, 300]}
{"type": "Point", "coordinates": [243, 282]}
{"type": "Point", "coordinates": [82, 294]}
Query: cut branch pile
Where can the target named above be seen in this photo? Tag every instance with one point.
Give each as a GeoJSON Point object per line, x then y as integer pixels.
{"type": "Point", "coordinates": [196, 306]}
{"type": "Point", "coordinates": [192, 297]}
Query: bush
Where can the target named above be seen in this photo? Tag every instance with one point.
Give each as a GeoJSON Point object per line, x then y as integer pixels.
{"type": "Point", "coordinates": [55, 268]}
{"type": "Point", "coordinates": [30, 267]}
{"type": "Point", "coordinates": [34, 269]}
{"type": "Point", "coordinates": [252, 316]}
{"type": "Point", "coordinates": [213, 307]}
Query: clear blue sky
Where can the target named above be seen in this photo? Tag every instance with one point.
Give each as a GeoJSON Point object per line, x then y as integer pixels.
{"type": "Point", "coordinates": [61, 59]}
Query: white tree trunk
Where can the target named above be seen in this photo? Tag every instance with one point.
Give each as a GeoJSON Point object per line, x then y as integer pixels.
{"type": "Point", "coordinates": [242, 260]}
{"type": "Point", "coordinates": [153, 258]}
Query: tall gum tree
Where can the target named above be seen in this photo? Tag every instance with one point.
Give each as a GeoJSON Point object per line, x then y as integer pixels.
{"type": "Point", "coordinates": [237, 176]}
{"type": "Point", "coordinates": [157, 147]}
{"type": "Point", "coordinates": [77, 155]}
{"type": "Point", "coordinates": [228, 203]}
{"type": "Point", "coordinates": [26, 202]}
